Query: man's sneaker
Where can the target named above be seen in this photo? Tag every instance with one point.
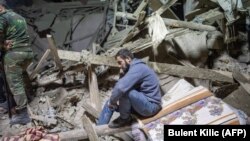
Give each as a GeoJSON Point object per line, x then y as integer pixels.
{"type": "Point", "coordinates": [22, 117]}
{"type": "Point", "coordinates": [119, 122]}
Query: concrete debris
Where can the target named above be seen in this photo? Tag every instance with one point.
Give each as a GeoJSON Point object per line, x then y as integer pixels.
{"type": "Point", "coordinates": [227, 63]}
{"type": "Point", "coordinates": [197, 50]}
{"type": "Point", "coordinates": [45, 22]}
{"type": "Point", "coordinates": [75, 42]}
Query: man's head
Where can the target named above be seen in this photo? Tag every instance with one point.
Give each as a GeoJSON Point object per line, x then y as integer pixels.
{"type": "Point", "coordinates": [3, 2]}
{"type": "Point", "coordinates": [124, 58]}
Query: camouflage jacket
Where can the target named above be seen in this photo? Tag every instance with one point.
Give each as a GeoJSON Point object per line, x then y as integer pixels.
{"type": "Point", "coordinates": [13, 27]}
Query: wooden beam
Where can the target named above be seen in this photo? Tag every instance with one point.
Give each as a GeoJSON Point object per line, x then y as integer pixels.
{"type": "Point", "coordinates": [189, 72]}
{"type": "Point", "coordinates": [170, 14]}
{"type": "Point", "coordinates": [79, 134]}
{"type": "Point", "coordinates": [141, 7]}
{"type": "Point", "coordinates": [211, 16]}
{"type": "Point", "coordinates": [93, 84]}
{"type": "Point", "coordinates": [115, 5]}
{"type": "Point", "coordinates": [93, 88]}
{"type": "Point", "coordinates": [179, 104]}
{"type": "Point", "coordinates": [134, 31]}
{"type": "Point", "coordinates": [170, 69]}
{"type": "Point", "coordinates": [92, 135]}
{"type": "Point", "coordinates": [90, 109]}
{"type": "Point", "coordinates": [69, 55]}
{"type": "Point", "coordinates": [191, 25]}
{"type": "Point", "coordinates": [127, 15]}
{"type": "Point", "coordinates": [191, 15]}
{"type": "Point", "coordinates": [163, 8]}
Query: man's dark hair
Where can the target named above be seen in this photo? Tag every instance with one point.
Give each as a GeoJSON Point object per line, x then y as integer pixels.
{"type": "Point", "coordinates": [124, 53]}
{"type": "Point", "coordinates": [3, 3]}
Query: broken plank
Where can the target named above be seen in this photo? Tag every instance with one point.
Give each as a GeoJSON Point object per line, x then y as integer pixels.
{"type": "Point", "coordinates": [127, 15]}
{"type": "Point", "coordinates": [141, 7]}
{"type": "Point", "coordinates": [92, 135]}
{"type": "Point", "coordinates": [114, 29]}
{"type": "Point", "coordinates": [191, 15]}
{"type": "Point", "coordinates": [134, 31]}
{"type": "Point", "coordinates": [170, 14]}
{"type": "Point", "coordinates": [148, 43]}
{"type": "Point", "coordinates": [180, 103]}
{"type": "Point", "coordinates": [90, 109]}
{"type": "Point", "coordinates": [210, 16]}
{"type": "Point", "coordinates": [79, 134]}
{"type": "Point", "coordinates": [93, 88]}
{"type": "Point", "coordinates": [163, 8]}
{"type": "Point", "coordinates": [189, 72]}
{"type": "Point", "coordinates": [45, 55]}
{"type": "Point", "coordinates": [53, 48]}
{"type": "Point", "coordinates": [69, 55]}
{"type": "Point", "coordinates": [171, 69]}
{"type": "Point", "coordinates": [191, 25]}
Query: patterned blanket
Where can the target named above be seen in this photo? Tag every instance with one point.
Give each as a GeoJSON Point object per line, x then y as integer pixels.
{"type": "Point", "coordinates": [33, 134]}
{"type": "Point", "coordinates": [186, 105]}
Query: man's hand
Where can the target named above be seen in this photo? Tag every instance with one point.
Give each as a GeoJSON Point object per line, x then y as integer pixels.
{"type": "Point", "coordinates": [7, 44]}
{"type": "Point", "coordinates": [112, 106]}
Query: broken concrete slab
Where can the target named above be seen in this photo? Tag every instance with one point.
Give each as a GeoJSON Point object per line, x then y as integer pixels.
{"type": "Point", "coordinates": [192, 46]}
{"type": "Point", "coordinates": [90, 26]}
{"type": "Point", "coordinates": [45, 22]}
{"type": "Point", "coordinates": [61, 31]}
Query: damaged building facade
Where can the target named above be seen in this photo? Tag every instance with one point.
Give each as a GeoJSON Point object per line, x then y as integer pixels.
{"type": "Point", "coordinates": [199, 49]}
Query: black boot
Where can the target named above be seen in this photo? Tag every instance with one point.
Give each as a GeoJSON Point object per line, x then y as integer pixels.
{"type": "Point", "coordinates": [21, 117]}
{"type": "Point", "coordinates": [4, 105]}
{"type": "Point", "coordinates": [119, 122]}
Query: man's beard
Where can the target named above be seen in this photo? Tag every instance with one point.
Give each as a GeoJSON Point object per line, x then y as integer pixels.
{"type": "Point", "coordinates": [125, 70]}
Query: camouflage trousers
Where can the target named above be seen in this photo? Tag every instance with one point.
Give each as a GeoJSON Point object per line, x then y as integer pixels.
{"type": "Point", "coordinates": [15, 64]}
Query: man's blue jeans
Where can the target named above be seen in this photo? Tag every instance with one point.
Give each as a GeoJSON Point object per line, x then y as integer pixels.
{"type": "Point", "coordinates": [133, 101]}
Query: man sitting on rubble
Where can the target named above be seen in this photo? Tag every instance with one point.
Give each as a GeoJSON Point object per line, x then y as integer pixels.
{"type": "Point", "coordinates": [14, 42]}
{"type": "Point", "coordinates": [137, 90]}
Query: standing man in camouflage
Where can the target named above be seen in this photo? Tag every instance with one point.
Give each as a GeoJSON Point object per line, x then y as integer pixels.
{"type": "Point", "coordinates": [14, 42]}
